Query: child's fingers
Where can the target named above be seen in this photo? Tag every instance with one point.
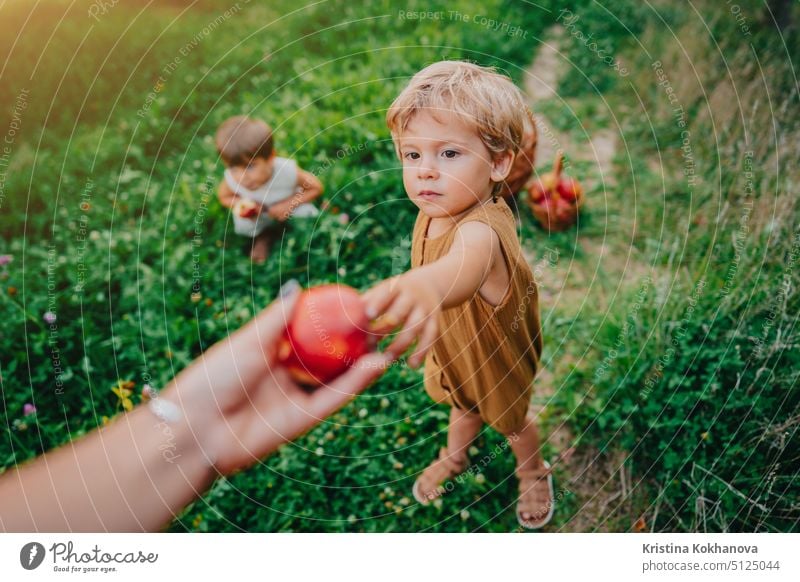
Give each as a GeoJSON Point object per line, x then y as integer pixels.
{"type": "Point", "coordinates": [395, 316]}
{"type": "Point", "coordinates": [426, 340]}
{"type": "Point", "coordinates": [379, 298]}
{"type": "Point", "coordinates": [414, 325]}
{"type": "Point", "coordinates": [374, 294]}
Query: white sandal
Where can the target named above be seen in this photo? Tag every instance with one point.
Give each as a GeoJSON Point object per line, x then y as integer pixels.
{"type": "Point", "coordinates": [440, 470]}
{"type": "Point", "coordinates": [536, 483]}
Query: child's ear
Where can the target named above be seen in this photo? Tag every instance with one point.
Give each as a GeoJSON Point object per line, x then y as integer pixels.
{"type": "Point", "coordinates": [501, 165]}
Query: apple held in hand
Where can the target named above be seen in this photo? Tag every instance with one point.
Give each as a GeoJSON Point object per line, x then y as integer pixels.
{"type": "Point", "coordinates": [325, 336]}
{"type": "Point", "coordinates": [245, 208]}
{"type": "Point", "coordinates": [555, 199]}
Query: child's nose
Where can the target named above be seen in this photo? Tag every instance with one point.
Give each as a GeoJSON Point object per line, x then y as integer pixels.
{"type": "Point", "coordinates": [426, 171]}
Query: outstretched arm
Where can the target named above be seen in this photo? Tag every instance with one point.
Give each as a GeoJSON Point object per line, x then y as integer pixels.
{"type": "Point", "coordinates": [414, 299]}
{"type": "Point", "coordinates": [232, 406]}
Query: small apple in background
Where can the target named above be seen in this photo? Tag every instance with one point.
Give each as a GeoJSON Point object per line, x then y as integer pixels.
{"type": "Point", "coordinates": [554, 198]}
{"type": "Point", "coordinates": [326, 334]}
{"type": "Point", "coordinates": [537, 195]}
{"type": "Point", "coordinates": [245, 208]}
{"type": "Point", "coordinates": [569, 189]}
{"type": "Point", "coordinates": [542, 187]}
{"type": "Point", "coordinates": [564, 210]}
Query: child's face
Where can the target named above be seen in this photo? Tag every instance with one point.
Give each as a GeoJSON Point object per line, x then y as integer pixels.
{"type": "Point", "coordinates": [446, 167]}
{"type": "Point", "coordinates": [255, 174]}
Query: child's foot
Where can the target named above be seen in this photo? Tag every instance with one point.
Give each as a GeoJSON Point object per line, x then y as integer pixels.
{"type": "Point", "coordinates": [260, 250]}
{"type": "Point", "coordinates": [428, 485]}
{"type": "Point", "coordinates": [536, 499]}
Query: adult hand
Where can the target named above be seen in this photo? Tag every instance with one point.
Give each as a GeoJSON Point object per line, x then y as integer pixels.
{"type": "Point", "coordinates": [234, 405]}
{"type": "Point", "coordinates": [242, 404]}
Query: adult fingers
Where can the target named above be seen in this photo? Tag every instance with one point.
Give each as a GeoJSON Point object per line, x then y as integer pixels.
{"type": "Point", "coordinates": [268, 325]}
{"type": "Point", "coordinates": [253, 345]}
{"type": "Point", "coordinates": [327, 399]}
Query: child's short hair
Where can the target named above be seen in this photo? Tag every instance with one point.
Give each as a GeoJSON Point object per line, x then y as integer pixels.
{"type": "Point", "coordinates": [487, 100]}
{"type": "Point", "coordinates": [240, 139]}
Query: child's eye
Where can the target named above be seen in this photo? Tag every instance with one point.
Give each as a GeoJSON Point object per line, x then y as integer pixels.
{"type": "Point", "coordinates": [412, 156]}
{"type": "Point", "coordinates": [450, 154]}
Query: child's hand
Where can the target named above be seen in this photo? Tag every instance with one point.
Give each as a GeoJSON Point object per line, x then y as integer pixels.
{"type": "Point", "coordinates": [408, 301]}
{"type": "Point", "coordinates": [245, 208]}
{"type": "Point", "coordinates": [281, 211]}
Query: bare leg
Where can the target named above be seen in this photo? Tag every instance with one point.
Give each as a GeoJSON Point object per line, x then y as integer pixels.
{"type": "Point", "coordinates": [527, 448]}
{"type": "Point", "coordinates": [462, 430]}
{"type": "Point", "coordinates": [525, 444]}
{"type": "Point", "coordinates": [260, 249]}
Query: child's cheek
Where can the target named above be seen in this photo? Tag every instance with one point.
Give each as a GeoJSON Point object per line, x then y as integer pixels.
{"type": "Point", "coordinates": [408, 180]}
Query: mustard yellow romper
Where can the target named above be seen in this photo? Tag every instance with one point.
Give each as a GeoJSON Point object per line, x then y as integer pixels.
{"type": "Point", "coordinates": [487, 356]}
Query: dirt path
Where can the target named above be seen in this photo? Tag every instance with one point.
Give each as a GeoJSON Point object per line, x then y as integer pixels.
{"type": "Point", "coordinates": [605, 265]}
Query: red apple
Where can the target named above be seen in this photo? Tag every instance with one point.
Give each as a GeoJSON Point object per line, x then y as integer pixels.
{"type": "Point", "coordinates": [541, 188]}
{"type": "Point", "coordinates": [564, 210]}
{"type": "Point", "coordinates": [246, 208]}
{"type": "Point", "coordinates": [569, 189]}
{"type": "Point", "coordinates": [555, 199]}
{"type": "Point", "coordinates": [547, 204]}
{"type": "Point", "coordinates": [553, 185]}
{"type": "Point", "coordinates": [325, 336]}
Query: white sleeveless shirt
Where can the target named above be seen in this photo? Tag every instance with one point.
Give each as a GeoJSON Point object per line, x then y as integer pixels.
{"type": "Point", "coordinates": [281, 185]}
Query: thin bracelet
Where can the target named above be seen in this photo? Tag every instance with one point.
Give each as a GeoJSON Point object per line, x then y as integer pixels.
{"type": "Point", "coordinates": [165, 410]}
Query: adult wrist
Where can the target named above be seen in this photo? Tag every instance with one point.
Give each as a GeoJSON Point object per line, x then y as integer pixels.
{"type": "Point", "coordinates": [185, 429]}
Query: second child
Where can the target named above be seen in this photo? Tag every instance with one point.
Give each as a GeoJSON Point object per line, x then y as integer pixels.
{"type": "Point", "coordinates": [262, 189]}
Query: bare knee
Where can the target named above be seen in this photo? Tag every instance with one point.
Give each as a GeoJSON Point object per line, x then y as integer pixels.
{"type": "Point", "coordinates": [527, 424]}
{"type": "Point", "coordinates": [463, 415]}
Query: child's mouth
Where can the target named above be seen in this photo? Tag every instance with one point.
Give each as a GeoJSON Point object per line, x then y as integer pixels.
{"type": "Point", "coordinates": [429, 195]}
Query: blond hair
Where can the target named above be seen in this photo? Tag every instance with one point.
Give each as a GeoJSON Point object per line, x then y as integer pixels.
{"type": "Point", "coordinates": [485, 99]}
{"type": "Point", "coordinates": [241, 139]}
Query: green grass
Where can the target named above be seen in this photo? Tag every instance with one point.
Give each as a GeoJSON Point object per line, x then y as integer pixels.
{"type": "Point", "coordinates": [108, 214]}
{"type": "Point", "coordinates": [122, 266]}
{"type": "Point", "coordinates": [694, 373]}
